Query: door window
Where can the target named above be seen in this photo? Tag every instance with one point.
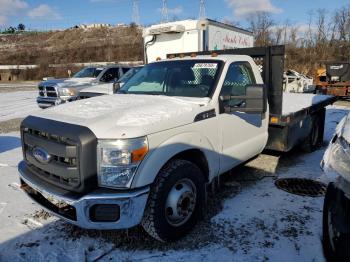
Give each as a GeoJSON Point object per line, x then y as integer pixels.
{"type": "Point", "coordinates": [238, 77]}
{"type": "Point", "coordinates": [125, 69]}
{"type": "Point", "coordinates": [110, 75]}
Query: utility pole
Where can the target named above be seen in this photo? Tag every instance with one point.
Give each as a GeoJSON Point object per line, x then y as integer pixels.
{"type": "Point", "coordinates": [165, 15]}
{"type": "Point", "coordinates": [202, 14]}
{"type": "Point", "coordinates": [135, 12]}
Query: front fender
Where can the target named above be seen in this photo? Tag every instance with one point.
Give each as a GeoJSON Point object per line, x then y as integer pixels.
{"type": "Point", "coordinates": [160, 154]}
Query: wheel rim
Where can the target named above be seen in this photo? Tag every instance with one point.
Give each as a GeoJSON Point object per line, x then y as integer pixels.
{"type": "Point", "coordinates": [181, 202]}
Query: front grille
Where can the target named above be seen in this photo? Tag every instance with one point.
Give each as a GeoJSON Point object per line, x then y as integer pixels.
{"type": "Point", "coordinates": [51, 91]}
{"type": "Point", "coordinates": [68, 150]}
{"type": "Point", "coordinates": [63, 167]}
{"type": "Point", "coordinates": [41, 91]}
{"type": "Point", "coordinates": [47, 91]}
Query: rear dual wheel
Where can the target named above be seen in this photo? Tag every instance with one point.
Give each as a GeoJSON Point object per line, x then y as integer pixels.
{"type": "Point", "coordinates": [312, 142]}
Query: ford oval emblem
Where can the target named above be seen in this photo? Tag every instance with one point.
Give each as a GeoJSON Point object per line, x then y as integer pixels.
{"type": "Point", "coordinates": [41, 155]}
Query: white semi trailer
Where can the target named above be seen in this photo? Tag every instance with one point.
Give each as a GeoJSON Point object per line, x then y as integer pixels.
{"type": "Point", "coordinates": [192, 36]}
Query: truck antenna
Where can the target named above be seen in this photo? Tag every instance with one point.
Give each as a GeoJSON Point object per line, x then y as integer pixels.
{"type": "Point", "coordinates": [165, 16]}
{"type": "Point", "coordinates": [135, 12]}
{"type": "Point", "coordinates": [202, 14]}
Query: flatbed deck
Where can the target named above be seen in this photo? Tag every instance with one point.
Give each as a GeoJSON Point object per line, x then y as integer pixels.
{"type": "Point", "coordinates": [293, 102]}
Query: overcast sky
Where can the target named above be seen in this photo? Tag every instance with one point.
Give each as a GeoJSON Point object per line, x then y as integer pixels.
{"type": "Point", "coordinates": [60, 14]}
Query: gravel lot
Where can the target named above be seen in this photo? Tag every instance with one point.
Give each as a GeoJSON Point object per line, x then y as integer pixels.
{"type": "Point", "coordinates": [11, 125]}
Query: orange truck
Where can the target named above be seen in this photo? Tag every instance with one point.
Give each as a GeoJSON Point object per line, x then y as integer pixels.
{"type": "Point", "coordinates": [334, 79]}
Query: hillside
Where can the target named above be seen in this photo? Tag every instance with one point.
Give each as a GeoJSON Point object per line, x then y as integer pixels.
{"type": "Point", "coordinates": [70, 46]}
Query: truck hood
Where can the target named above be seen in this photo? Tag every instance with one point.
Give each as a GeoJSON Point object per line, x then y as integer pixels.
{"type": "Point", "coordinates": [99, 88]}
{"type": "Point", "coordinates": [128, 116]}
{"type": "Point", "coordinates": [68, 82]}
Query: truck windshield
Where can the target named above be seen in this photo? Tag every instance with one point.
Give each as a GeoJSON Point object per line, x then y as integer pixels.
{"type": "Point", "coordinates": [187, 78]}
{"type": "Point", "coordinates": [88, 72]}
{"type": "Point", "coordinates": [129, 74]}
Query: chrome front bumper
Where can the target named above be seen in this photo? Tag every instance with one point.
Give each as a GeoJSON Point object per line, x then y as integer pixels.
{"type": "Point", "coordinates": [131, 204]}
{"type": "Point", "coordinates": [45, 102]}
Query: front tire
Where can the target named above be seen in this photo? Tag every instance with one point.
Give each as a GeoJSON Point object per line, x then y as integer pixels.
{"type": "Point", "coordinates": [336, 242]}
{"type": "Point", "coordinates": [176, 201]}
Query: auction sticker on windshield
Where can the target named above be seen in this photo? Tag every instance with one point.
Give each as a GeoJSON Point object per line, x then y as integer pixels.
{"type": "Point", "coordinates": [206, 65]}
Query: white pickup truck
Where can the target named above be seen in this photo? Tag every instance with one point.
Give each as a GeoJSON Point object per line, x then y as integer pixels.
{"type": "Point", "coordinates": [145, 155]}
{"type": "Point", "coordinates": [53, 92]}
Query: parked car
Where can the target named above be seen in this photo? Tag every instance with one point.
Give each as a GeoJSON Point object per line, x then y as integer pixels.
{"type": "Point", "coordinates": [145, 155]}
{"type": "Point", "coordinates": [336, 210]}
{"type": "Point", "coordinates": [58, 91]}
{"type": "Point", "coordinates": [107, 89]}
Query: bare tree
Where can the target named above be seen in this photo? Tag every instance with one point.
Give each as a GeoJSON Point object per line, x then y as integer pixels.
{"type": "Point", "coordinates": [278, 35]}
{"type": "Point", "coordinates": [261, 24]}
{"type": "Point", "coordinates": [321, 33]}
{"type": "Point", "coordinates": [310, 30]}
{"type": "Point", "coordinates": [342, 23]}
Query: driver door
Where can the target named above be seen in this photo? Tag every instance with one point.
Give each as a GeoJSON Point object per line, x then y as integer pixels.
{"type": "Point", "coordinates": [243, 134]}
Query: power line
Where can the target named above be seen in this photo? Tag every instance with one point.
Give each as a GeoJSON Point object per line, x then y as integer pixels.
{"type": "Point", "coordinates": [165, 14]}
{"type": "Point", "coordinates": [202, 14]}
{"type": "Point", "coordinates": [135, 12]}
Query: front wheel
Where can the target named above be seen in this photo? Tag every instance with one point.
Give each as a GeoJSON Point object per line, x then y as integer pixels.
{"type": "Point", "coordinates": [176, 201]}
{"type": "Point", "coordinates": [336, 236]}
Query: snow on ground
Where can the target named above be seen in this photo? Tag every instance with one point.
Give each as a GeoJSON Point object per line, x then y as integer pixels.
{"type": "Point", "coordinates": [16, 85]}
{"type": "Point", "coordinates": [17, 104]}
{"type": "Point", "coordinates": [250, 220]}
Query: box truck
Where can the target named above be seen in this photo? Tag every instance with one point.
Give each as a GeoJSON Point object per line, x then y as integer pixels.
{"type": "Point", "coordinates": [192, 36]}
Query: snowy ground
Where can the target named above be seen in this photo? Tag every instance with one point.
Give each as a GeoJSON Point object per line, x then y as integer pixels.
{"type": "Point", "coordinates": [249, 219]}
{"type": "Point", "coordinates": [16, 85]}
{"type": "Point", "coordinates": [17, 104]}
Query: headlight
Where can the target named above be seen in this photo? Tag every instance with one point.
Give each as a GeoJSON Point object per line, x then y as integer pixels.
{"type": "Point", "coordinates": [118, 160]}
{"type": "Point", "coordinates": [339, 158]}
{"type": "Point", "coordinates": [66, 92]}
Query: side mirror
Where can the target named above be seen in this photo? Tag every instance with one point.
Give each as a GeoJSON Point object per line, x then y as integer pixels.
{"type": "Point", "coordinates": [254, 102]}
